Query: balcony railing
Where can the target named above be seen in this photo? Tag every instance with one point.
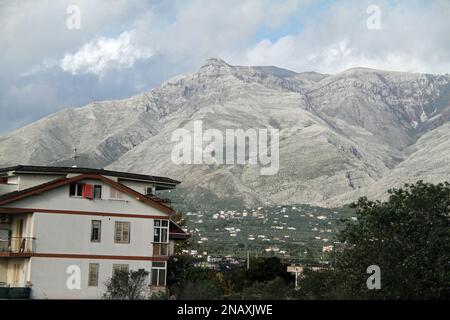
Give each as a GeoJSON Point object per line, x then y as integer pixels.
{"type": "Point", "coordinates": [160, 249]}
{"type": "Point", "coordinates": [17, 245]}
{"type": "Point", "coordinates": [15, 293]}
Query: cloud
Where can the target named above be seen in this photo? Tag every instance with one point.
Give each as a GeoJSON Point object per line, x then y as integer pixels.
{"type": "Point", "coordinates": [203, 29]}
{"type": "Point", "coordinates": [99, 56]}
{"type": "Point", "coordinates": [39, 68]}
{"type": "Point", "coordinates": [412, 38]}
{"type": "Point", "coordinates": [134, 45]}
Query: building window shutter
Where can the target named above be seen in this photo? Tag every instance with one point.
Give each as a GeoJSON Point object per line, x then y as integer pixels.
{"type": "Point", "coordinates": [118, 233]}
{"type": "Point", "coordinates": [115, 194]}
{"type": "Point", "coordinates": [122, 232]}
{"type": "Point", "coordinates": [120, 268]}
{"type": "Point", "coordinates": [126, 232]}
{"type": "Point", "coordinates": [88, 191]}
{"type": "Point", "coordinates": [93, 275]}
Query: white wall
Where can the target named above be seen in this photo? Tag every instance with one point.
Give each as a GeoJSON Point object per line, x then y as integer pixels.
{"type": "Point", "coordinates": [30, 180]}
{"type": "Point", "coordinates": [71, 234]}
{"type": "Point", "coordinates": [57, 233]}
{"type": "Point", "coordinates": [138, 186]}
{"type": "Point", "coordinates": [49, 277]}
{"type": "Point", "coordinates": [7, 188]}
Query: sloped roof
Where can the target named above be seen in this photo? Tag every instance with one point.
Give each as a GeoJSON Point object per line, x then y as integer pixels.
{"type": "Point", "coordinates": [176, 233]}
{"type": "Point", "coordinates": [17, 195]}
{"type": "Point", "coordinates": [79, 170]}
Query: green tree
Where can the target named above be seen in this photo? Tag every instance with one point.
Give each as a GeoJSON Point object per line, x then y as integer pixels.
{"type": "Point", "coordinates": [124, 285]}
{"type": "Point", "coordinates": [265, 269]}
{"type": "Point", "coordinates": [176, 267]}
{"type": "Point", "coordinates": [187, 281]}
{"type": "Point", "coordinates": [321, 284]}
{"type": "Point", "coordinates": [275, 289]}
{"type": "Point", "coordinates": [237, 280]}
{"type": "Point", "coordinates": [204, 289]}
{"type": "Point", "coordinates": [407, 237]}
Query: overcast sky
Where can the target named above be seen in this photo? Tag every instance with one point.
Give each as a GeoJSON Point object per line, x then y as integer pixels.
{"type": "Point", "coordinates": [125, 47]}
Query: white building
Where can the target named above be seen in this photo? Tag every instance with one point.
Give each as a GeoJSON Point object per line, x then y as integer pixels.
{"type": "Point", "coordinates": [64, 231]}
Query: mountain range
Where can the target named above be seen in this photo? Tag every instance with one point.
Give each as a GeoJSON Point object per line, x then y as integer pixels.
{"type": "Point", "coordinates": [357, 132]}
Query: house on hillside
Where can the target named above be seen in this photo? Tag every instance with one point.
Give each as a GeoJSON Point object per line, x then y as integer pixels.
{"type": "Point", "coordinates": [64, 231]}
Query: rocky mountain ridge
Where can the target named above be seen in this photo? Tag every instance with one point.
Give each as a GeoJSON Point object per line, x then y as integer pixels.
{"type": "Point", "coordinates": [341, 136]}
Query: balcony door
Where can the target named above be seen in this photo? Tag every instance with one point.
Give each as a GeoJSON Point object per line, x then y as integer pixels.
{"type": "Point", "coordinates": [17, 239]}
{"type": "Point", "coordinates": [16, 275]}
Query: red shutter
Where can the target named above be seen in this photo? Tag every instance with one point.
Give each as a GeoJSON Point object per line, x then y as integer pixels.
{"type": "Point", "coordinates": [88, 191]}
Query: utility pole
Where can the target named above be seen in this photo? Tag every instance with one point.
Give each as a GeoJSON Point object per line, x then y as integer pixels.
{"type": "Point", "coordinates": [248, 259]}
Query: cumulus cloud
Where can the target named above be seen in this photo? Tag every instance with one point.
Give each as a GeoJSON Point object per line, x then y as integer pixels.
{"type": "Point", "coordinates": [134, 45]}
{"type": "Point", "coordinates": [99, 56]}
{"type": "Point", "coordinates": [412, 38]}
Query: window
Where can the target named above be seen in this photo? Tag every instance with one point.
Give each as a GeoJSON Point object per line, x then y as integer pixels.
{"type": "Point", "coordinates": [76, 190]}
{"type": "Point", "coordinates": [158, 273]}
{"type": "Point", "coordinates": [119, 268]}
{"type": "Point", "coordinates": [96, 230]}
{"type": "Point", "coordinates": [122, 232]}
{"type": "Point", "coordinates": [93, 275]}
{"type": "Point", "coordinates": [115, 194]}
{"type": "Point", "coordinates": [161, 231]}
{"type": "Point", "coordinates": [97, 192]}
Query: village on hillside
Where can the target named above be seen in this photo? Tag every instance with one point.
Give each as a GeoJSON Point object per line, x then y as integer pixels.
{"type": "Point", "coordinates": [298, 234]}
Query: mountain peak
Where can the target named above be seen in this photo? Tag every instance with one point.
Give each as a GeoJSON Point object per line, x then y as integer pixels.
{"type": "Point", "coordinates": [216, 62]}
{"type": "Point", "coordinates": [215, 67]}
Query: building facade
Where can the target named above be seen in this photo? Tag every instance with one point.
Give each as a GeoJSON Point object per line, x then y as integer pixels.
{"type": "Point", "coordinates": [65, 231]}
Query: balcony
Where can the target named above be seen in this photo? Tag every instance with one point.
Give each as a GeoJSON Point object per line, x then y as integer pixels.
{"type": "Point", "coordinates": [160, 249]}
{"type": "Point", "coordinates": [15, 293]}
{"type": "Point", "coordinates": [17, 246]}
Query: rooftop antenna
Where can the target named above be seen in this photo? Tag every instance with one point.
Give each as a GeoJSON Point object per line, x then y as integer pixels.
{"type": "Point", "coordinates": [74, 157]}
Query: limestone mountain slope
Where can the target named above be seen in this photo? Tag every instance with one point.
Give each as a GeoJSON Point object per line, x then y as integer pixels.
{"type": "Point", "coordinates": [341, 135]}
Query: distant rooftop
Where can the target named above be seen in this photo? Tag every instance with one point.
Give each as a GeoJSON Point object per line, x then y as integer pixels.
{"type": "Point", "coordinates": [68, 170]}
